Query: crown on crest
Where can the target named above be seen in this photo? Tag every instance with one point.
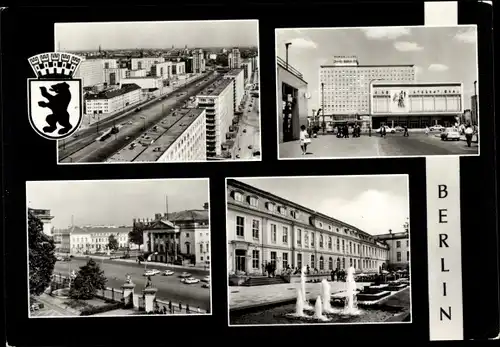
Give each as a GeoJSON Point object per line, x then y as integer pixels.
{"type": "Point", "coordinates": [55, 65]}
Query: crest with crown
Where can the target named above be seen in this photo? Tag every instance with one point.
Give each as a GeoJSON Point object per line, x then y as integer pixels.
{"type": "Point", "coordinates": [55, 65]}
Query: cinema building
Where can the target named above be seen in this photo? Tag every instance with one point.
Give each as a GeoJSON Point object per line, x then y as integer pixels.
{"type": "Point", "coordinates": [292, 92]}
{"type": "Point", "coordinates": [415, 105]}
{"type": "Point", "coordinates": [262, 228]}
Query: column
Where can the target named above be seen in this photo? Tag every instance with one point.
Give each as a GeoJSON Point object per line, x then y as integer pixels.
{"type": "Point", "coordinates": [149, 297]}
{"type": "Point", "coordinates": [128, 293]}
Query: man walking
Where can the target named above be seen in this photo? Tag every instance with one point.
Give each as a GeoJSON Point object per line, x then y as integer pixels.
{"type": "Point", "coordinates": [406, 131]}
{"type": "Point", "coordinates": [468, 135]}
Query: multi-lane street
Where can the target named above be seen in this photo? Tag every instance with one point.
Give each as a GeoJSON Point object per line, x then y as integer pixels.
{"type": "Point", "coordinates": [87, 147]}
{"type": "Point", "coordinates": [417, 144]}
{"type": "Point", "coordinates": [169, 287]}
{"type": "Point", "coordinates": [249, 132]}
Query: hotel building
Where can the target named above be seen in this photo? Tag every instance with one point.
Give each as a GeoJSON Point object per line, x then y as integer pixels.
{"type": "Point", "coordinates": [45, 217]}
{"type": "Point", "coordinates": [178, 68]}
{"type": "Point", "coordinates": [292, 91]}
{"type": "Point", "coordinates": [175, 236]}
{"type": "Point", "coordinates": [114, 76]}
{"type": "Point", "coordinates": [145, 63]}
{"type": "Point", "coordinates": [91, 71]}
{"type": "Point", "coordinates": [344, 87]}
{"type": "Point", "coordinates": [416, 105]}
{"type": "Point", "coordinates": [234, 59]}
{"type": "Point", "coordinates": [198, 61]}
{"type": "Point", "coordinates": [262, 228]}
{"type": "Point", "coordinates": [92, 239]}
{"type": "Point", "coordinates": [113, 100]}
{"type": "Point", "coordinates": [162, 70]}
{"type": "Point", "coordinates": [399, 249]}
{"type": "Point", "coordinates": [218, 101]}
{"type": "Point", "coordinates": [237, 75]}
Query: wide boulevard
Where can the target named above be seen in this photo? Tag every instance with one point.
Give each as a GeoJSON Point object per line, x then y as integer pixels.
{"type": "Point", "coordinates": [169, 287]}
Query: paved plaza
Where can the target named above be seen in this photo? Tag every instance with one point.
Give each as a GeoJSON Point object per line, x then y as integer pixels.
{"type": "Point", "coordinates": [416, 144]}
{"type": "Point", "coordinates": [247, 297]}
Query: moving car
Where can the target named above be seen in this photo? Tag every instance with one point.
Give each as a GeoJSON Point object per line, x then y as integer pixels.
{"type": "Point", "coordinates": [167, 273]}
{"type": "Point", "coordinates": [388, 130]}
{"type": "Point", "coordinates": [190, 280]}
{"type": "Point", "coordinates": [450, 134]}
{"type": "Point", "coordinates": [399, 128]}
{"type": "Point", "coordinates": [185, 275]}
{"type": "Point", "coordinates": [206, 279]}
{"type": "Point", "coordinates": [151, 272]}
{"type": "Point", "coordinates": [436, 127]}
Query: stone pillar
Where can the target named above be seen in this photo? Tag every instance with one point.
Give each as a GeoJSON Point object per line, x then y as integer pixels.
{"type": "Point", "coordinates": [149, 297]}
{"type": "Point", "coordinates": [128, 293]}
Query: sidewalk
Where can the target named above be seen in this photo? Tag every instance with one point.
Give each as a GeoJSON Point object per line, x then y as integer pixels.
{"type": "Point", "coordinates": [57, 305]}
{"type": "Point", "coordinates": [247, 297]}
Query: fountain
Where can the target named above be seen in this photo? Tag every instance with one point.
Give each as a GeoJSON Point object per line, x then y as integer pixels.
{"type": "Point", "coordinates": [318, 310]}
{"type": "Point", "coordinates": [299, 308]}
{"type": "Point", "coordinates": [350, 307]}
{"type": "Point", "coordinates": [326, 297]}
{"type": "Point", "coordinates": [303, 289]}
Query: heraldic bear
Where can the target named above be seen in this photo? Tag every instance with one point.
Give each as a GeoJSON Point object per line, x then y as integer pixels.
{"type": "Point", "coordinates": [58, 104]}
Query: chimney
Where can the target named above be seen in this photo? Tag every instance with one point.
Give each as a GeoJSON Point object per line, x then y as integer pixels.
{"type": "Point", "coordinates": [205, 206]}
{"type": "Point", "coordinates": [390, 231]}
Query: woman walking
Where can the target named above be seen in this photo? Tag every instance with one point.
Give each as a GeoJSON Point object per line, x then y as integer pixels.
{"type": "Point", "coordinates": [304, 139]}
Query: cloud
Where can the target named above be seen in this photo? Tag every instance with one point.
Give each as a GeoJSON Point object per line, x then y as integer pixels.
{"type": "Point", "coordinates": [372, 211]}
{"type": "Point", "coordinates": [385, 33]}
{"type": "Point", "coordinates": [303, 43]}
{"type": "Point", "coordinates": [437, 67]}
{"type": "Point", "coordinates": [467, 36]}
{"type": "Point", "coordinates": [406, 46]}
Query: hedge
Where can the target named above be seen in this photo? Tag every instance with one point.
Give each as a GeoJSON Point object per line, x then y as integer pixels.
{"type": "Point", "coordinates": [101, 309]}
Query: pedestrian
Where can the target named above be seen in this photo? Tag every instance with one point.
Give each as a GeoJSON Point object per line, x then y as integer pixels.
{"type": "Point", "coordinates": [304, 139]}
{"type": "Point", "coordinates": [346, 132]}
{"type": "Point", "coordinates": [170, 307]}
{"type": "Point", "coordinates": [406, 131]}
{"type": "Point", "coordinates": [427, 130]}
{"type": "Point", "coordinates": [370, 131]}
{"type": "Point", "coordinates": [382, 131]}
{"type": "Point", "coordinates": [468, 135]}
{"type": "Point", "coordinates": [187, 309]}
{"type": "Point", "coordinates": [180, 307]}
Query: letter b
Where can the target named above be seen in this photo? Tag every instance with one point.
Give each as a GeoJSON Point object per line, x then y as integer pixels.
{"type": "Point", "coordinates": [442, 191]}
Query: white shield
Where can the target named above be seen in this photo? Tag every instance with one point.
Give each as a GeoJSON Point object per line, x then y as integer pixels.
{"type": "Point", "coordinates": [56, 115]}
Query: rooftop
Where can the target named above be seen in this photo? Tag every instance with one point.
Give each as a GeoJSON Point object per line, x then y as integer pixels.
{"type": "Point", "coordinates": [358, 66]}
{"type": "Point", "coordinates": [234, 72]}
{"type": "Point", "coordinates": [153, 143]}
{"type": "Point", "coordinates": [216, 88]}
{"type": "Point", "coordinates": [110, 94]}
{"type": "Point", "coordinates": [98, 229]}
{"type": "Point", "coordinates": [416, 84]}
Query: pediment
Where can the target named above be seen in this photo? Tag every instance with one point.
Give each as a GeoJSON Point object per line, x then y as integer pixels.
{"type": "Point", "coordinates": [161, 225]}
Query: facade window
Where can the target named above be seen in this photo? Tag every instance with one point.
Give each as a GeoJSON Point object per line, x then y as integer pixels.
{"type": "Point", "coordinates": [285, 235]}
{"type": "Point", "coordinates": [407, 243]}
{"type": "Point", "coordinates": [273, 259]}
{"type": "Point", "coordinates": [312, 239]}
{"type": "Point", "coordinates": [240, 226]}
{"type": "Point", "coordinates": [407, 255]}
{"type": "Point", "coordinates": [299, 261]}
{"type": "Point", "coordinates": [350, 247]}
{"type": "Point", "coordinates": [398, 255]}
{"type": "Point", "coordinates": [338, 245]}
{"type": "Point", "coordinates": [201, 248]}
{"type": "Point", "coordinates": [354, 262]}
{"type": "Point", "coordinates": [299, 237]}
{"type": "Point", "coordinates": [273, 233]}
{"type": "Point", "coordinates": [343, 263]}
{"type": "Point", "coordinates": [255, 229]}
{"type": "Point", "coordinates": [343, 246]}
{"type": "Point", "coordinates": [321, 263]}
{"type": "Point", "coordinates": [313, 262]}
{"type": "Point", "coordinates": [285, 260]}
{"type": "Point", "coordinates": [321, 241]}
{"type": "Point", "coordinates": [253, 201]}
{"type": "Point", "coordinates": [238, 196]}
{"type": "Point", "coordinates": [350, 261]}
{"type": "Point", "coordinates": [329, 242]}
{"type": "Point", "coordinates": [398, 244]}
{"type": "Point", "coordinates": [255, 259]}
{"type": "Point", "coordinates": [282, 210]}
{"type": "Point", "coordinates": [270, 206]}
{"type": "Point", "coordinates": [330, 263]}
{"type": "Point", "coordinates": [306, 239]}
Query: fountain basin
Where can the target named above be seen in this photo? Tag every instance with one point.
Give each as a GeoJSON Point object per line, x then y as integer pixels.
{"type": "Point", "coordinates": [372, 296]}
{"type": "Point", "coordinates": [396, 287]}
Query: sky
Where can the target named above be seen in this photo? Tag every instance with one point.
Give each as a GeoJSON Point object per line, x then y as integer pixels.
{"type": "Point", "coordinates": [373, 204]}
{"type": "Point", "coordinates": [440, 54]}
{"type": "Point", "coordinates": [114, 202]}
{"type": "Point", "coordinates": [123, 35]}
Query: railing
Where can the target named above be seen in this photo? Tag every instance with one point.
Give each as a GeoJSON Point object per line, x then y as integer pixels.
{"type": "Point", "coordinates": [290, 68]}
{"type": "Point", "coordinates": [164, 307]}
{"type": "Point", "coordinates": [110, 294]}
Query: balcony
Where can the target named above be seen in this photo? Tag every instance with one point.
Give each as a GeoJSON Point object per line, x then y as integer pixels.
{"type": "Point", "coordinates": [291, 69]}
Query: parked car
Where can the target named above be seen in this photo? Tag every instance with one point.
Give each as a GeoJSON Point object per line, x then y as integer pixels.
{"type": "Point", "coordinates": [206, 285]}
{"type": "Point", "coordinates": [66, 259]}
{"type": "Point", "coordinates": [59, 258]}
{"type": "Point", "coordinates": [152, 272]}
{"type": "Point", "coordinates": [436, 127]}
{"type": "Point", "coordinates": [256, 153]}
{"type": "Point", "coordinates": [450, 134]}
{"type": "Point", "coordinates": [190, 280]}
{"type": "Point", "coordinates": [399, 128]}
{"type": "Point", "coordinates": [167, 273]}
{"type": "Point", "coordinates": [185, 275]}
{"type": "Point", "coordinates": [388, 130]}
{"type": "Point", "coordinates": [137, 109]}
{"type": "Point", "coordinates": [206, 279]}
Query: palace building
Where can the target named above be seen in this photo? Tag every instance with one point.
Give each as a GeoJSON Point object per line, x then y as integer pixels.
{"type": "Point", "coordinates": [399, 245]}
{"type": "Point", "coordinates": [262, 228]}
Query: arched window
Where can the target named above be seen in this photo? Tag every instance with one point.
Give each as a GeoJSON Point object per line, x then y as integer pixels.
{"type": "Point", "coordinates": [343, 263]}
{"type": "Point", "coordinates": [329, 242]}
{"type": "Point", "coordinates": [321, 241]}
{"type": "Point", "coordinates": [338, 263]}
{"type": "Point", "coordinates": [330, 263]}
{"type": "Point", "coordinates": [350, 261]}
{"type": "Point", "coordinates": [321, 263]}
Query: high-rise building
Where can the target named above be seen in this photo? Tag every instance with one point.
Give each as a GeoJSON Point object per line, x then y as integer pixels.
{"type": "Point", "coordinates": [237, 75]}
{"type": "Point", "coordinates": [218, 101]}
{"type": "Point", "coordinates": [198, 61]}
{"type": "Point", "coordinates": [91, 71]}
{"type": "Point", "coordinates": [145, 63]}
{"type": "Point", "coordinates": [234, 59]}
{"type": "Point", "coordinates": [344, 85]}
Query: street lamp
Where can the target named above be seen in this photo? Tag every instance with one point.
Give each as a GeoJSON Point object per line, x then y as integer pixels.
{"type": "Point", "coordinates": [286, 47]}
{"type": "Point", "coordinates": [323, 106]}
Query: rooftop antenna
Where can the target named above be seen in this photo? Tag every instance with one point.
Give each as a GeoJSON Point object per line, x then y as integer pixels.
{"type": "Point", "coordinates": [166, 204]}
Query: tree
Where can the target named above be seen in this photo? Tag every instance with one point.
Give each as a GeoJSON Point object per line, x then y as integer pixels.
{"type": "Point", "coordinates": [136, 235]}
{"type": "Point", "coordinates": [41, 256]}
{"type": "Point", "coordinates": [88, 280]}
{"type": "Point", "coordinates": [222, 59]}
{"type": "Point", "coordinates": [112, 243]}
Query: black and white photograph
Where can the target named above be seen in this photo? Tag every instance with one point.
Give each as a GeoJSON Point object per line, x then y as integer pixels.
{"type": "Point", "coordinates": [341, 257]}
{"type": "Point", "coordinates": [179, 91]}
{"type": "Point", "coordinates": [118, 248]}
{"type": "Point", "coordinates": [371, 92]}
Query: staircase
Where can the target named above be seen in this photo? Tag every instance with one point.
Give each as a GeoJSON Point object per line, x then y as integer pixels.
{"type": "Point", "coordinates": [263, 281]}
